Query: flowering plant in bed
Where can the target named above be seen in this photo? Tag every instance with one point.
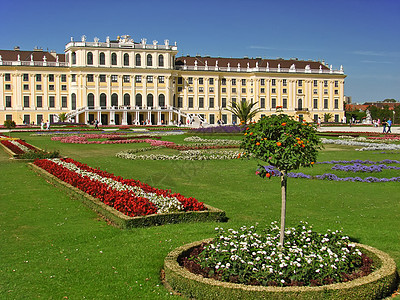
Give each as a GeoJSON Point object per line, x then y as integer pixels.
{"type": "Point", "coordinates": [128, 196]}
{"type": "Point", "coordinates": [254, 257]}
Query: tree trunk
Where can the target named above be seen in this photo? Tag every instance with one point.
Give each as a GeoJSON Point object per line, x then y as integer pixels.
{"type": "Point", "coordinates": [283, 208]}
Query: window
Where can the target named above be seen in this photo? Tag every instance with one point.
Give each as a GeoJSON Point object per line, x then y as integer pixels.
{"type": "Point", "coordinates": [234, 119]}
{"type": "Point", "coordinates": [243, 81]}
{"type": "Point", "coordinates": [336, 92]}
{"type": "Point", "coordinates": [211, 89]}
{"type": "Point", "coordinates": [223, 81]}
{"type": "Point", "coordinates": [325, 83]}
{"type": "Point", "coordinates": [262, 102]}
{"type": "Point", "coordinates": [9, 117]}
{"type": "Point", "coordinates": [89, 58]}
{"type": "Point", "coordinates": [114, 59]}
{"type": "Point", "coordinates": [190, 80]}
{"type": "Point", "coordinates": [336, 83]}
{"type": "Point", "coordinates": [233, 81]}
{"type": "Point", "coordinates": [273, 82]}
{"type": "Point", "coordinates": [73, 58]}
{"type": "Point", "coordinates": [233, 100]}
{"type": "Point", "coordinates": [150, 100]}
{"type": "Point", "coordinates": [201, 102]}
{"type": "Point", "coordinates": [262, 81]}
{"type": "Point", "coordinates": [8, 86]}
{"type": "Point", "coordinates": [90, 101]}
{"type": "Point", "coordinates": [325, 91]}
{"type": "Point", "coordinates": [38, 87]}
{"type": "Point", "coordinates": [224, 118]}
{"type": "Point", "coordinates": [180, 102]}
{"type": "Point", "coordinates": [138, 78]}
{"type": "Point", "coordinates": [161, 100]}
{"type": "Point", "coordinates": [161, 60]}
{"type": "Point", "coordinates": [126, 59]}
{"type": "Point", "coordinates": [284, 103]}
{"type": "Point", "coordinates": [211, 81]}
{"type": "Point", "coordinates": [26, 77]}
{"type": "Point", "coordinates": [201, 89]}
{"type": "Point", "coordinates": [149, 60]}
{"type": "Point", "coordinates": [114, 100]}
{"type": "Point", "coordinates": [300, 83]}
{"type": "Point", "coordinates": [102, 78]}
{"type": "Point", "coordinates": [337, 118]}
{"type": "Point", "coordinates": [315, 106]}
{"type": "Point", "coordinates": [223, 90]}
{"type": "Point", "coordinates": [315, 91]}
{"type": "Point", "coordinates": [26, 101]}
{"type": "Point", "coordinates": [73, 101]}
{"type": "Point", "coordinates": [51, 87]}
{"type": "Point", "coordinates": [103, 100]}
{"type": "Point", "coordinates": [51, 101]}
{"type": "Point", "coordinates": [284, 82]}
{"type": "Point", "coordinates": [149, 79]}
{"type": "Point", "coordinates": [7, 77]}
{"type": "Point", "coordinates": [233, 90]}
{"type": "Point", "coordinates": [190, 89]}
{"type": "Point", "coordinates": [180, 80]}
{"type": "Point", "coordinates": [262, 90]}
{"type": "Point", "coordinates": [200, 80]}
{"type": "Point", "coordinates": [26, 87]}
{"type": "Point", "coordinates": [212, 119]}
{"type": "Point", "coordinates": [161, 79]}
{"type": "Point", "coordinates": [8, 101]}
{"type": "Point", "coordinates": [315, 83]}
{"type": "Point", "coordinates": [102, 59]}
{"type": "Point", "coordinates": [63, 78]}
{"type": "Point", "coordinates": [273, 103]}
{"type": "Point", "coordinates": [299, 91]}
{"type": "Point", "coordinates": [64, 101]}
{"type": "Point", "coordinates": [325, 103]}
{"type": "Point", "coordinates": [243, 90]}
{"type": "Point", "coordinates": [127, 99]}
{"type": "Point", "coordinates": [39, 101]}
{"type": "Point", "coordinates": [38, 77]}
{"type": "Point", "coordinates": [90, 78]}
{"type": "Point", "coordinates": [273, 91]}
{"type": "Point", "coordinates": [51, 77]}
{"type": "Point", "coordinates": [138, 60]}
{"type": "Point", "coordinates": [336, 103]}
{"type": "Point", "coordinates": [138, 100]}
{"type": "Point", "coordinates": [39, 119]}
{"type": "Point", "coordinates": [114, 78]}
{"type": "Point", "coordinates": [27, 119]}
{"type": "Point", "coordinates": [211, 102]}
{"type": "Point", "coordinates": [127, 78]}
{"type": "Point", "coordinates": [284, 91]}
{"type": "Point", "coordinates": [73, 77]}
{"type": "Point", "coordinates": [180, 89]}
{"type": "Point", "coordinates": [190, 102]}
{"type": "Point", "coordinates": [223, 102]}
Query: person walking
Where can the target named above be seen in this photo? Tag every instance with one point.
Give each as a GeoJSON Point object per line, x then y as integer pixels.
{"type": "Point", "coordinates": [96, 124]}
{"type": "Point", "coordinates": [384, 125]}
{"type": "Point", "coordinates": [389, 126]}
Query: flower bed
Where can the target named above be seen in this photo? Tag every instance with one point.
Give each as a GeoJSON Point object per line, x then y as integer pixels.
{"type": "Point", "coordinates": [17, 147]}
{"type": "Point", "coordinates": [381, 282]}
{"type": "Point", "coordinates": [365, 146]}
{"type": "Point", "coordinates": [129, 197]}
{"type": "Point", "coordinates": [197, 139]}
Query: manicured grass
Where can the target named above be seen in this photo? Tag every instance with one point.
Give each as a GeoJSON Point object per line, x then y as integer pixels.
{"type": "Point", "coordinates": [54, 247]}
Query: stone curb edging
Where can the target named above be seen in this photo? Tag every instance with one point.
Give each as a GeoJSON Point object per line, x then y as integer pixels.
{"type": "Point", "coordinates": [378, 284]}
{"type": "Point", "coordinates": [123, 221]}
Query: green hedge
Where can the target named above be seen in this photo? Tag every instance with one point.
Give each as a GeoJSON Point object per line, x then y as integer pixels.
{"type": "Point", "coordinates": [378, 284]}
{"type": "Point", "coordinates": [125, 222]}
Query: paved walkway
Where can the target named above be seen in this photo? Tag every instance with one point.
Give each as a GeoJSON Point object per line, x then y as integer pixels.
{"type": "Point", "coordinates": [356, 129]}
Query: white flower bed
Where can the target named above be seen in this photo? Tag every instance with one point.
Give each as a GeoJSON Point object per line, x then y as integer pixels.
{"type": "Point", "coordinates": [183, 155]}
{"type": "Point", "coordinates": [164, 204]}
{"type": "Point", "coordinates": [197, 139]}
{"type": "Point", "coordinates": [20, 146]}
{"type": "Point", "coordinates": [365, 146]}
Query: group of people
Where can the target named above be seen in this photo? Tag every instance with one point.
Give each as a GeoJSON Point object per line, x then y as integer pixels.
{"type": "Point", "coordinates": [387, 126]}
{"type": "Point", "coordinates": [44, 124]}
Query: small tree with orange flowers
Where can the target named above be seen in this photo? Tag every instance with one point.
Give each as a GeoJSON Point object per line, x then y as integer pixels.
{"type": "Point", "coordinates": [284, 143]}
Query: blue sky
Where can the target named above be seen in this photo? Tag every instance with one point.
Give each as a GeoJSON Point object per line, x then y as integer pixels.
{"type": "Point", "coordinates": [361, 35]}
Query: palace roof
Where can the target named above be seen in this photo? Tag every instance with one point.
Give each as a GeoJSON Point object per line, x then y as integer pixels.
{"type": "Point", "coordinates": [27, 56]}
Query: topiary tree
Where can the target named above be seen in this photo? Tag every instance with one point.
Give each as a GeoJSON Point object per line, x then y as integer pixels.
{"type": "Point", "coordinates": [284, 143]}
{"type": "Point", "coordinates": [9, 124]}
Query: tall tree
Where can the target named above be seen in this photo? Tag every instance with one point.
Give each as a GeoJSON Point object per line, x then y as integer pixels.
{"type": "Point", "coordinates": [244, 110]}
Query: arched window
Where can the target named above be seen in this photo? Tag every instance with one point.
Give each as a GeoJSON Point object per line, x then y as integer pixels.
{"type": "Point", "coordinates": [138, 60]}
{"type": "Point", "coordinates": [126, 59]}
{"type": "Point", "coordinates": [114, 100]}
{"type": "Point", "coordinates": [300, 104]}
{"type": "Point", "coordinates": [149, 60]}
{"type": "Point", "coordinates": [73, 58]}
{"type": "Point", "coordinates": [73, 101]}
{"type": "Point", "coordinates": [103, 101]}
{"type": "Point", "coordinates": [102, 59]}
{"type": "Point", "coordinates": [138, 101]}
{"type": "Point", "coordinates": [150, 100]}
{"type": "Point", "coordinates": [127, 99]}
{"type": "Point", "coordinates": [161, 100]}
{"type": "Point", "coordinates": [90, 100]}
{"type": "Point", "coordinates": [90, 58]}
{"type": "Point", "coordinates": [114, 59]}
{"type": "Point", "coordinates": [161, 60]}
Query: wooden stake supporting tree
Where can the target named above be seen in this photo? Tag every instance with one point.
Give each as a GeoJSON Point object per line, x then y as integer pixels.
{"type": "Point", "coordinates": [284, 143]}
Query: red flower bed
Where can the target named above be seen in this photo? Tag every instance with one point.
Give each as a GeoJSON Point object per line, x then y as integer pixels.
{"type": "Point", "coordinates": [12, 147]}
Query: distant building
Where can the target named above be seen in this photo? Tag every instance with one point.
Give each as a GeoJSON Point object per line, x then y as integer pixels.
{"type": "Point", "coordinates": [126, 82]}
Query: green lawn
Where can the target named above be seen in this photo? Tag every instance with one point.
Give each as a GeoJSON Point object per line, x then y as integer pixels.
{"type": "Point", "coordinates": [54, 247]}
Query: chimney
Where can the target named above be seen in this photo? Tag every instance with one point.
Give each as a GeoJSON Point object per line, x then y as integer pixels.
{"type": "Point", "coordinates": [53, 53]}
{"type": "Point", "coordinates": [16, 48]}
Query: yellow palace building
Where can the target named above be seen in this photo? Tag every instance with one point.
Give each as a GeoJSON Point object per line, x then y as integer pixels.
{"type": "Point", "coordinates": [124, 82]}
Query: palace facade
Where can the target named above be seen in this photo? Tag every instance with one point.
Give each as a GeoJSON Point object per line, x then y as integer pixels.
{"type": "Point", "coordinates": [126, 82]}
